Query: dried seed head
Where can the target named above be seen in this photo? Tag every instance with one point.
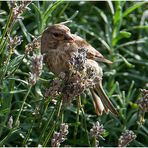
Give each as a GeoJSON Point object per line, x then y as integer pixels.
{"type": "Point", "coordinates": [32, 78]}
{"type": "Point", "coordinates": [60, 136]}
{"type": "Point", "coordinates": [79, 59]}
{"type": "Point", "coordinates": [62, 75]}
{"type": "Point", "coordinates": [13, 3]}
{"type": "Point", "coordinates": [72, 87]}
{"type": "Point", "coordinates": [10, 122]}
{"type": "Point", "coordinates": [36, 111]}
{"type": "Point", "coordinates": [33, 45]}
{"type": "Point", "coordinates": [143, 102]}
{"type": "Point", "coordinates": [126, 137]}
{"type": "Point", "coordinates": [36, 69]}
{"type": "Point", "coordinates": [40, 146]}
{"type": "Point", "coordinates": [18, 9]}
{"type": "Point", "coordinates": [74, 83]}
{"type": "Point", "coordinates": [144, 91]}
{"type": "Point", "coordinates": [54, 89]}
{"type": "Point", "coordinates": [37, 64]}
{"type": "Point", "coordinates": [14, 42]}
{"type": "Point", "coordinates": [97, 130]}
{"type": "Point", "coordinates": [90, 73]}
{"type": "Point", "coordinates": [79, 78]}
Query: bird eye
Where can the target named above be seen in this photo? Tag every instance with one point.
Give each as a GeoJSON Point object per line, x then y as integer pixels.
{"type": "Point", "coordinates": [57, 34]}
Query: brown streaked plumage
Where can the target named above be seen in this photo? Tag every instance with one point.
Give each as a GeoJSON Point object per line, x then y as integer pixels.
{"type": "Point", "coordinates": [59, 45]}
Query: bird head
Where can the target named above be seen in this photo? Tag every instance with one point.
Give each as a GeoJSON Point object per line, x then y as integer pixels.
{"type": "Point", "coordinates": [60, 32]}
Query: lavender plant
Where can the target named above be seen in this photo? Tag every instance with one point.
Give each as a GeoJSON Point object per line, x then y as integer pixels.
{"type": "Point", "coordinates": [118, 29]}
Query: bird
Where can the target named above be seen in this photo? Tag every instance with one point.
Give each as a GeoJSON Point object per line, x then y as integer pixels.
{"type": "Point", "coordinates": [58, 45]}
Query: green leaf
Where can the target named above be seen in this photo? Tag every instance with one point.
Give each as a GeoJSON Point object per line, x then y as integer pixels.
{"type": "Point", "coordinates": [117, 18]}
{"type": "Point", "coordinates": [14, 64]}
{"type": "Point", "coordinates": [140, 62]}
{"type": "Point", "coordinates": [24, 30]}
{"type": "Point", "coordinates": [101, 13]}
{"type": "Point", "coordinates": [133, 76]}
{"type": "Point", "coordinates": [2, 12]}
{"type": "Point", "coordinates": [132, 8]}
{"type": "Point", "coordinates": [122, 34]}
{"type": "Point", "coordinates": [50, 9]}
{"type": "Point", "coordinates": [118, 14]}
{"type": "Point", "coordinates": [4, 111]}
{"type": "Point", "coordinates": [144, 129]}
{"type": "Point", "coordinates": [126, 61]}
{"type": "Point", "coordinates": [48, 12]}
{"type": "Point", "coordinates": [6, 101]}
{"type": "Point", "coordinates": [38, 17]}
{"type": "Point", "coordinates": [111, 6]}
{"type": "Point", "coordinates": [19, 80]}
{"type": "Point", "coordinates": [95, 35]}
{"type": "Point", "coordinates": [140, 41]}
{"type": "Point", "coordinates": [131, 91]}
{"type": "Point", "coordinates": [17, 91]}
{"type": "Point", "coordinates": [136, 27]}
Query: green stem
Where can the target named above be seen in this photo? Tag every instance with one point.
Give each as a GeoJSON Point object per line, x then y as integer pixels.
{"type": "Point", "coordinates": [21, 109]}
{"type": "Point", "coordinates": [6, 65]}
{"type": "Point", "coordinates": [46, 126]}
{"type": "Point", "coordinates": [77, 117]}
{"type": "Point", "coordinates": [54, 125]}
{"type": "Point", "coordinates": [94, 142]}
{"type": "Point", "coordinates": [49, 134]}
{"type": "Point", "coordinates": [13, 130]}
{"type": "Point", "coordinates": [9, 104]}
{"type": "Point", "coordinates": [3, 141]}
{"type": "Point", "coordinates": [28, 134]}
{"type": "Point", "coordinates": [16, 67]}
{"type": "Point", "coordinates": [10, 52]}
{"type": "Point", "coordinates": [85, 125]}
{"type": "Point", "coordinates": [5, 30]}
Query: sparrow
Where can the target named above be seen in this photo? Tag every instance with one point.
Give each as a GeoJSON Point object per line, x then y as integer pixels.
{"type": "Point", "coordinates": [58, 45]}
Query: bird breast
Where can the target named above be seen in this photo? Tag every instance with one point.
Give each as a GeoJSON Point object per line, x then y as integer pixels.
{"type": "Point", "coordinates": [58, 59]}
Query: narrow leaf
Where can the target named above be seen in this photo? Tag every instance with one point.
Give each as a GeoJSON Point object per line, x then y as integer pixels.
{"type": "Point", "coordinates": [132, 8]}
{"type": "Point", "coordinates": [122, 34]}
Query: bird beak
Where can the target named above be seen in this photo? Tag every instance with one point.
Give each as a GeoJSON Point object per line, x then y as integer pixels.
{"type": "Point", "coordinates": [69, 37]}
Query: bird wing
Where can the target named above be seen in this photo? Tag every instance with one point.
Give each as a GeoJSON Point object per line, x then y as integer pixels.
{"type": "Point", "coordinates": [105, 100]}
{"type": "Point", "coordinates": [92, 53]}
{"type": "Point", "coordinates": [100, 99]}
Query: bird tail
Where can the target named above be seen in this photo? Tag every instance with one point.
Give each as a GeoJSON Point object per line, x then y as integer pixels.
{"type": "Point", "coordinates": [101, 101]}
{"type": "Point", "coordinates": [98, 105]}
{"type": "Point", "coordinates": [103, 60]}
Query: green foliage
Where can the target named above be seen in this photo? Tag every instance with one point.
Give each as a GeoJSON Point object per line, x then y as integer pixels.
{"type": "Point", "coordinates": [119, 30]}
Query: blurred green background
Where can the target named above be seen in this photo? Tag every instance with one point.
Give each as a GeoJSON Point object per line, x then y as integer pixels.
{"type": "Point", "coordinates": [118, 29]}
